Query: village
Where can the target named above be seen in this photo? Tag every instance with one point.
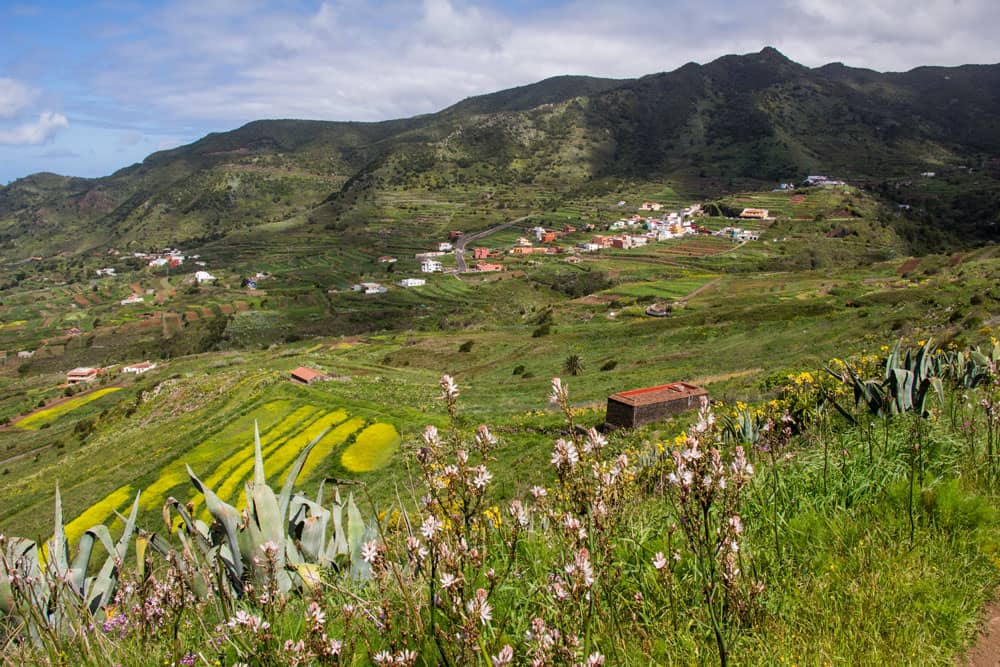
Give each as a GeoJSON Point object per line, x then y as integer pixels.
{"type": "Point", "coordinates": [571, 242]}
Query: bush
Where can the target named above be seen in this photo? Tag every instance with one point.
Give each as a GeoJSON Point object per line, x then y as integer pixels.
{"type": "Point", "coordinates": [466, 346]}
{"type": "Point", "coordinates": [609, 365]}
{"type": "Point", "coordinates": [518, 370]}
{"type": "Point", "coordinates": [543, 330]}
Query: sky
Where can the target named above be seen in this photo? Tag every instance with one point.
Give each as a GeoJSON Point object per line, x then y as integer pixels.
{"type": "Point", "coordinates": [88, 87]}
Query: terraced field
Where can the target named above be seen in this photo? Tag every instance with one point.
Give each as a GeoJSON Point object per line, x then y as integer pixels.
{"type": "Point", "coordinates": [224, 460]}
{"type": "Point", "coordinates": [46, 416]}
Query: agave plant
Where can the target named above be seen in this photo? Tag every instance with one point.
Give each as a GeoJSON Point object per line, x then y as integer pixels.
{"type": "Point", "coordinates": [43, 591]}
{"type": "Point", "coordinates": [283, 540]}
{"type": "Point", "coordinates": [907, 384]}
{"type": "Point", "coordinates": [969, 369]}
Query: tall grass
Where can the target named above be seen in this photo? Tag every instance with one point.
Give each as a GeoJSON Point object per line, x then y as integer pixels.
{"type": "Point", "coordinates": [797, 541]}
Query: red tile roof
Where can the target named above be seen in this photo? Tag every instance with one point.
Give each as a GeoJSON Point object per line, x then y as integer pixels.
{"type": "Point", "coordinates": [303, 374]}
{"type": "Point", "coordinates": [658, 394]}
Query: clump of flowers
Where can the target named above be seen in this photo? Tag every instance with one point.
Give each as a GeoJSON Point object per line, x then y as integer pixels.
{"type": "Point", "coordinates": [706, 490]}
{"type": "Point", "coordinates": [449, 553]}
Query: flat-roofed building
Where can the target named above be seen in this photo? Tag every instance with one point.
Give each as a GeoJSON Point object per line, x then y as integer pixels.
{"type": "Point", "coordinates": [642, 406]}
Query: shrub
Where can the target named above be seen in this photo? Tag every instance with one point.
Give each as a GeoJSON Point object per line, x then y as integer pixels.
{"type": "Point", "coordinates": [609, 365]}
{"type": "Point", "coordinates": [518, 370]}
{"type": "Point", "coordinates": [466, 346]}
{"type": "Point", "coordinates": [543, 330]}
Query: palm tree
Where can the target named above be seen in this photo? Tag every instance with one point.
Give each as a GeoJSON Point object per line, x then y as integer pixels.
{"type": "Point", "coordinates": [573, 365]}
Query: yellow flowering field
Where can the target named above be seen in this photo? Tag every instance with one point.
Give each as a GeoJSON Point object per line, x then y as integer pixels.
{"type": "Point", "coordinates": [372, 449]}
{"type": "Point", "coordinates": [47, 416]}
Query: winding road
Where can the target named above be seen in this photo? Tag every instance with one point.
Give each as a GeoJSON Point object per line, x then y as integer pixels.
{"type": "Point", "coordinates": [461, 242]}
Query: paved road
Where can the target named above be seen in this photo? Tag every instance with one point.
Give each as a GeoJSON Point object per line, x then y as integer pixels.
{"type": "Point", "coordinates": [463, 240]}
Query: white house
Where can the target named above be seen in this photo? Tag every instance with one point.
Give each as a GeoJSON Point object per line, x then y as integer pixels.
{"type": "Point", "coordinates": [370, 288]}
{"type": "Point", "coordinates": [134, 298]}
{"type": "Point", "coordinates": [538, 232]}
{"type": "Point", "coordinates": [159, 261]}
{"type": "Point", "coordinates": [430, 266]}
{"type": "Point", "coordinates": [444, 246]}
{"type": "Point", "coordinates": [412, 282]}
{"type": "Point", "coordinates": [203, 277]}
{"type": "Point", "coordinates": [106, 272]}
{"type": "Point", "coordinates": [139, 368]}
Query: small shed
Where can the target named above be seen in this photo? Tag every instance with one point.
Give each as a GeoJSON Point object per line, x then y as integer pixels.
{"type": "Point", "coordinates": [642, 406]}
{"type": "Point", "coordinates": [308, 375]}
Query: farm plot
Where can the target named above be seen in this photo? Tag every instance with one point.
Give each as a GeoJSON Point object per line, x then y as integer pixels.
{"type": "Point", "coordinates": [39, 419]}
{"type": "Point", "coordinates": [224, 460]}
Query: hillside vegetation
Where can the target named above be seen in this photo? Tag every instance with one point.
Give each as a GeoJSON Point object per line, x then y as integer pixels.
{"type": "Point", "coordinates": [759, 116]}
{"type": "Point", "coordinates": [835, 503]}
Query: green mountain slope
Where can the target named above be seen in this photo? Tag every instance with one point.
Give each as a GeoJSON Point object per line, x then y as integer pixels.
{"type": "Point", "coordinates": [757, 116]}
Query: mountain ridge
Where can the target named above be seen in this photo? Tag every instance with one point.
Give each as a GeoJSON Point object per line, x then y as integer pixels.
{"type": "Point", "coordinates": [758, 116]}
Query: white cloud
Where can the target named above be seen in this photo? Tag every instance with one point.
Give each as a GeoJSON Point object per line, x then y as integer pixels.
{"type": "Point", "coordinates": [38, 132]}
{"type": "Point", "coordinates": [230, 61]}
{"type": "Point", "coordinates": [15, 97]}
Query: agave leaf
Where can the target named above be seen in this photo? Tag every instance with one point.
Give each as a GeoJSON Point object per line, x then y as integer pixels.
{"type": "Point", "coordinates": [227, 517]}
{"type": "Point", "coordinates": [6, 595]}
{"type": "Point", "coordinates": [267, 526]}
{"type": "Point", "coordinates": [78, 571]}
{"type": "Point", "coordinates": [58, 550]}
{"type": "Point", "coordinates": [102, 589]}
{"type": "Point", "coordinates": [141, 543]}
{"type": "Point", "coordinates": [293, 475]}
{"type": "Point", "coordinates": [361, 570]}
{"type": "Point", "coordinates": [338, 544]}
{"type": "Point", "coordinates": [196, 529]}
{"type": "Point", "coordinates": [355, 528]}
{"type": "Point", "coordinates": [309, 574]}
{"type": "Point", "coordinates": [258, 460]}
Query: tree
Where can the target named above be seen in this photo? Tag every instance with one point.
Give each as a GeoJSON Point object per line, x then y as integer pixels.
{"type": "Point", "coordinates": [573, 365]}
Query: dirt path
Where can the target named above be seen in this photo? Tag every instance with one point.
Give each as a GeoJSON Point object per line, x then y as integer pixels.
{"type": "Point", "coordinates": [691, 295]}
{"type": "Point", "coordinates": [986, 652]}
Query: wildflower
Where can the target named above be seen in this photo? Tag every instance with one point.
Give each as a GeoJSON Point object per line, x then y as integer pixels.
{"type": "Point", "coordinates": [416, 549]}
{"type": "Point", "coordinates": [482, 478]}
{"type": "Point", "coordinates": [538, 492]}
{"type": "Point", "coordinates": [595, 660]}
{"type": "Point", "coordinates": [430, 527]}
{"type": "Point", "coordinates": [659, 560]}
{"type": "Point", "coordinates": [504, 657]}
{"type": "Point", "coordinates": [270, 550]}
{"type": "Point", "coordinates": [316, 615]}
{"type": "Point", "coordinates": [518, 513]}
{"type": "Point", "coordinates": [405, 657]}
{"type": "Point", "coordinates": [565, 454]}
{"type": "Point", "coordinates": [594, 441]}
{"type": "Point", "coordinates": [369, 551]}
{"type": "Point", "coordinates": [382, 658]}
{"type": "Point", "coordinates": [559, 394]}
{"type": "Point", "coordinates": [448, 580]}
{"type": "Point", "coordinates": [478, 606]}
{"type": "Point", "coordinates": [484, 438]}
{"type": "Point", "coordinates": [188, 659]}
{"type": "Point", "coordinates": [431, 436]}
{"type": "Point", "coordinates": [449, 388]}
